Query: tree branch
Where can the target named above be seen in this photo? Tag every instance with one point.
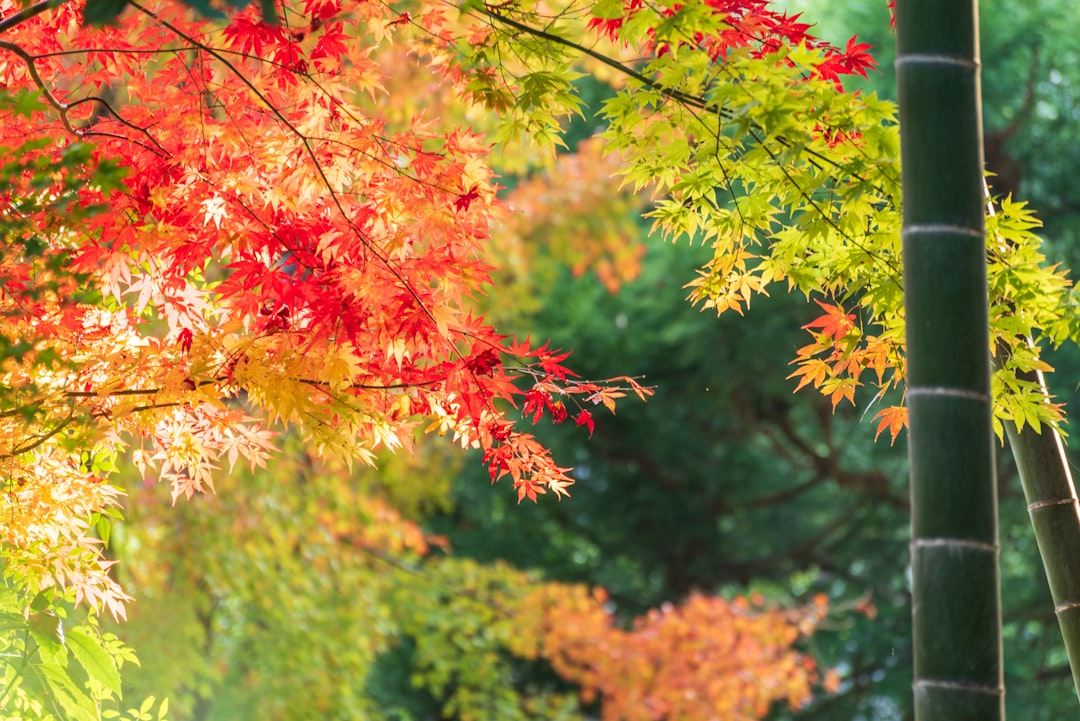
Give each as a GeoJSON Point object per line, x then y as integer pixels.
{"type": "Point", "coordinates": [687, 99]}
{"type": "Point", "coordinates": [64, 108]}
{"type": "Point", "coordinates": [28, 12]}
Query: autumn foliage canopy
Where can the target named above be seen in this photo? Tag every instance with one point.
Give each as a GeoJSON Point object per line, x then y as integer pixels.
{"type": "Point", "coordinates": [227, 233]}
{"type": "Point", "coordinates": [248, 228]}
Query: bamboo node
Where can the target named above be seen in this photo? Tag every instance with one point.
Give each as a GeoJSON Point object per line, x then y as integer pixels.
{"type": "Point", "coordinates": [1039, 505]}
{"type": "Point", "coordinates": [954, 542]}
{"type": "Point", "coordinates": [916, 228]}
{"type": "Point", "coordinates": [985, 688]}
{"type": "Point", "coordinates": [946, 391]}
{"type": "Point", "coordinates": [935, 59]}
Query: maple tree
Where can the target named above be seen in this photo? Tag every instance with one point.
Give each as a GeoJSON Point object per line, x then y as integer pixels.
{"type": "Point", "coordinates": [237, 232]}
{"type": "Point", "coordinates": [813, 179]}
{"type": "Point", "coordinates": [270, 240]}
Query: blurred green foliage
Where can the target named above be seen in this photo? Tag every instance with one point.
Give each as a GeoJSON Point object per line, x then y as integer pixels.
{"type": "Point", "coordinates": [723, 482]}
{"type": "Point", "coordinates": [295, 592]}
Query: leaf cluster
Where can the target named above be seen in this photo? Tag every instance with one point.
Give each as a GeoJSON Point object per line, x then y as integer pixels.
{"type": "Point", "coordinates": [56, 665]}
{"type": "Point", "coordinates": [737, 121]}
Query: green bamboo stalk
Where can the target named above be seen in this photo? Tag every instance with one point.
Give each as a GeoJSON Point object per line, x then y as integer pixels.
{"type": "Point", "coordinates": [1055, 515]}
{"type": "Point", "coordinates": [954, 552]}
{"type": "Point", "coordinates": [1054, 510]}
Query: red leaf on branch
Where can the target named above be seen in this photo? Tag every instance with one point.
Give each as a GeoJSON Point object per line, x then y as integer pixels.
{"type": "Point", "coordinates": [835, 323]}
{"type": "Point", "coordinates": [585, 419]}
{"type": "Point", "coordinates": [483, 363]}
{"type": "Point", "coordinates": [463, 201]}
{"type": "Point", "coordinates": [558, 412]}
{"type": "Point", "coordinates": [536, 402]}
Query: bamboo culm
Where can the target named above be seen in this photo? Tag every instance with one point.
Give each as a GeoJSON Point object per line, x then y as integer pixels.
{"type": "Point", "coordinates": [954, 549]}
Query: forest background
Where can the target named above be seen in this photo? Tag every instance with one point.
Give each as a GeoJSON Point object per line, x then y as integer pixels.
{"type": "Point", "coordinates": [260, 600]}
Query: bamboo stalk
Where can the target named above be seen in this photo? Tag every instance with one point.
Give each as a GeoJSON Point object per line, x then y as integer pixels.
{"type": "Point", "coordinates": [1055, 516]}
{"type": "Point", "coordinates": [955, 575]}
{"type": "Point", "coordinates": [1053, 507]}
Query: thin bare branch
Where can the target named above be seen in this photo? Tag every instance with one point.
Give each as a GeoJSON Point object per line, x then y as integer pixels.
{"type": "Point", "coordinates": [28, 12]}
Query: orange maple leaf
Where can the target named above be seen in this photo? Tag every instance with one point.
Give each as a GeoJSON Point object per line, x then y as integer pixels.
{"type": "Point", "coordinates": [894, 418]}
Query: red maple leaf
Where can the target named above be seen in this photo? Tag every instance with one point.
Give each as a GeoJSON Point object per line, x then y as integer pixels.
{"type": "Point", "coordinates": [536, 402]}
{"type": "Point", "coordinates": [466, 199]}
{"type": "Point", "coordinates": [585, 419]}
{"type": "Point", "coordinates": [835, 323]}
